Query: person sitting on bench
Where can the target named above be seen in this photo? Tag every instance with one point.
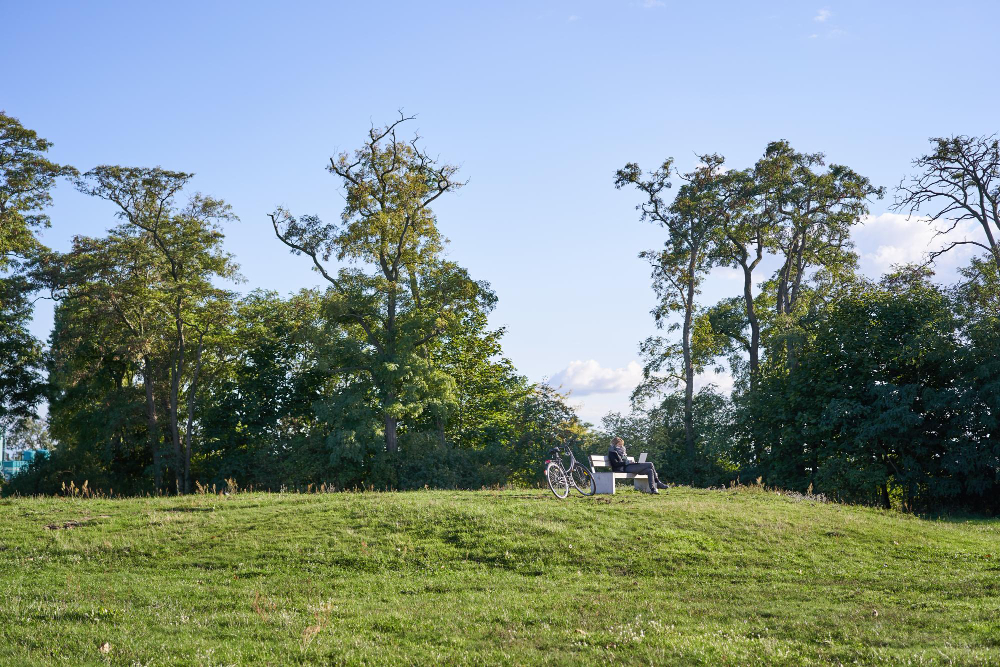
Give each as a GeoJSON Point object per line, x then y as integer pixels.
{"type": "Point", "coordinates": [618, 459]}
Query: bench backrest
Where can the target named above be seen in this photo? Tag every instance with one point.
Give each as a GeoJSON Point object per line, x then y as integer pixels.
{"type": "Point", "coordinates": [598, 461]}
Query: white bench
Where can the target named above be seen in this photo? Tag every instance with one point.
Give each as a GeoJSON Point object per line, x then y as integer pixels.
{"type": "Point", "coordinates": [604, 480]}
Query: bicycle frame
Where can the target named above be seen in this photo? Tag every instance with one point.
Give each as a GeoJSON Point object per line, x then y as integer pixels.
{"type": "Point", "coordinates": [558, 451]}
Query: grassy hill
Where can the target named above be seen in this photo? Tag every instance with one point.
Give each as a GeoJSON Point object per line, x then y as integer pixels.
{"type": "Point", "coordinates": [702, 577]}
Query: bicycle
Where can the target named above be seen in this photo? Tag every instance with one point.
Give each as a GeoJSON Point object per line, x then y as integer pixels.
{"type": "Point", "coordinates": [560, 477]}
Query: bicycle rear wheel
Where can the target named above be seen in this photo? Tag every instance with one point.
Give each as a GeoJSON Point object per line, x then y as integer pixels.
{"type": "Point", "coordinates": [583, 480]}
{"type": "Point", "coordinates": [556, 477]}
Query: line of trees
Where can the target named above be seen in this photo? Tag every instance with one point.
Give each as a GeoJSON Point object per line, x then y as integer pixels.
{"type": "Point", "coordinates": [159, 376]}
{"type": "Point", "coordinates": [884, 392]}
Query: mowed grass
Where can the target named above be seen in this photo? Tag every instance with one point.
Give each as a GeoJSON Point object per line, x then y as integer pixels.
{"type": "Point", "coordinates": [740, 576]}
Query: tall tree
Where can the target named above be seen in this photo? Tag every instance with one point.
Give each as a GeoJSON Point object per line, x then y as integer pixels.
{"type": "Point", "coordinates": [118, 281]}
{"type": "Point", "coordinates": [814, 211]}
{"type": "Point", "coordinates": [188, 243]}
{"type": "Point", "coordinates": [746, 231]}
{"type": "Point", "coordinates": [959, 180]}
{"type": "Point", "coordinates": [678, 269]}
{"type": "Point", "coordinates": [26, 181]}
{"type": "Point", "coordinates": [411, 297]}
{"type": "Point", "coordinates": [96, 406]}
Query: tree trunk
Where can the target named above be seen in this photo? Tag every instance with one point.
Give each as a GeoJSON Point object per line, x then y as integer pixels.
{"type": "Point", "coordinates": [151, 426]}
{"type": "Point", "coordinates": [994, 245]}
{"type": "Point", "coordinates": [441, 434]}
{"type": "Point", "coordinates": [391, 423]}
{"type": "Point", "coordinates": [754, 350]}
{"type": "Point", "coordinates": [754, 323]}
{"type": "Point", "coordinates": [190, 416]}
{"type": "Point", "coordinates": [175, 436]}
{"type": "Point", "coordinates": [689, 369]}
{"type": "Point", "coordinates": [176, 370]}
{"type": "Point", "coordinates": [391, 444]}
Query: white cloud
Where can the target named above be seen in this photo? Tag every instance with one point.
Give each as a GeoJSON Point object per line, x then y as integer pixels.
{"type": "Point", "coordinates": [723, 381]}
{"type": "Point", "coordinates": [822, 15]}
{"type": "Point", "coordinates": [573, 18]}
{"type": "Point", "coordinates": [589, 377]}
{"type": "Point", "coordinates": [650, 4]}
{"type": "Point", "coordinates": [893, 238]}
{"type": "Point", "coordinates": [608, 390]}
{"type": "Point", "coordinates": [596, 406]}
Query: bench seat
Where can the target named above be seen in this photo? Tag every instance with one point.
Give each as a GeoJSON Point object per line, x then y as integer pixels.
{"type": "Point", "coordinates": [604, 480]}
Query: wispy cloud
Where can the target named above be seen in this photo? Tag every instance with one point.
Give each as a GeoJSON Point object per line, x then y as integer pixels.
{"type": "Point", "coordinates": [650, 4]}
{"type": "Point", "coordinates": [822, 15]}
{"type": "Point", "coordinates": [589, 377]}
{"type": "Point", "coordinates": [573, 18]}
{"type": "Point", "coordinates": [892, 238]}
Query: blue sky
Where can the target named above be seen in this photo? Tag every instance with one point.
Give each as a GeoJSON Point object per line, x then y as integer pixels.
{"type": "Point", "coordinates": [539, 102]}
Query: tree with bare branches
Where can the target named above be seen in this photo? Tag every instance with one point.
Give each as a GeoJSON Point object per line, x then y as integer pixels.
{"type": "Point", "coordinates": [679, 267]}
{"type": "Point", "coordinates": [394, 294]}
{"type": "Point", "coordinates": [958, 181]}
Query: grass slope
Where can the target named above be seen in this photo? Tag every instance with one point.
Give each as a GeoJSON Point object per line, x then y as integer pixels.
{"type": "Point", "coordinates": [693, 577]}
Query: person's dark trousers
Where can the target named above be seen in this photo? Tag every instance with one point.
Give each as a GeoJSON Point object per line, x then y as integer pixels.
{"type": "Point", "coordinates": [644, 469]}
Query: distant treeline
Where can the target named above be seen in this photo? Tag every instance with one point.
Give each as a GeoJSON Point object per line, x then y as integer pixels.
{"type": "Point", "coordinates": [158, 376]}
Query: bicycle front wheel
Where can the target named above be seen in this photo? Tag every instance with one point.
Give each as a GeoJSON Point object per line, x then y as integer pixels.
{"type": "Point", "coordinates": [583, 481]}
{"type": "Point", "coordinates": [556, 476]}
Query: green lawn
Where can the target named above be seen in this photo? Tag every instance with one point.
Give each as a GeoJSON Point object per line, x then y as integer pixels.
{"type": "Point", "coordinates": [514, 577]}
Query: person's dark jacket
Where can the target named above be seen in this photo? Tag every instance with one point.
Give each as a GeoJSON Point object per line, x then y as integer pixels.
{"type": "Point", "coordinates": [616, 460]}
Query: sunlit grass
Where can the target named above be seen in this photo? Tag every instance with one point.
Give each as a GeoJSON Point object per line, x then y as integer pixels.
{"type": "Point", "coordinates": [713, 577]}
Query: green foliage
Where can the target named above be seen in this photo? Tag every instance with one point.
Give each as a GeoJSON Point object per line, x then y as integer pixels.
{"type": "Point", "coordinates": [974, 459]}
{"type": "Point", "coordinates": [398, 298]}
{"type": "Point", "coordinates": [26, 181]}
{"type": "Point", "coordinates": [259, 392]}
{"type": "Point", "coordinates": [272, 415]}
{"type": "Point", "coordinates": [30, 434]}
{"type": "Point", "coordinates": [874, 393]}
{"type": "Point", "coordinates": [137, 310]}
{"type": "Point", "coordinates": [159, 379]}
{"type": "Point", "coordinates": [22, 359]}
{"type": "Point", "coordinates": [878, 408]}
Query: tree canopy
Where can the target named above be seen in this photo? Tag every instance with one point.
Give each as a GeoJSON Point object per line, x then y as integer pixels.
{"type": "Point", "coordinates": [161, 377]}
